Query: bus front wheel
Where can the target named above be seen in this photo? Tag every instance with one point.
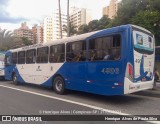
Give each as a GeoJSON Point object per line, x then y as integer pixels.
{"type": "Point", "coordinates": [59, 85]}
{"type": "Point", "coordinates": [14, 79]}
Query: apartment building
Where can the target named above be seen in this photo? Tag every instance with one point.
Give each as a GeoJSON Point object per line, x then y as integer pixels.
{"type": "Point", "coordinates": [37, 33]}
{"type": "Point", "coordinates": [52, 26]}
{"type": "Point", "coordinates": [111, 10]}
{"type": "Point", "coordinates": [48, 29]}
{"type": "Point", "coordinates": [79, 16]}
{"type": "Point", "coordinates": [24, 31]}
{"type": "Point", "coordinates": [56, 25]}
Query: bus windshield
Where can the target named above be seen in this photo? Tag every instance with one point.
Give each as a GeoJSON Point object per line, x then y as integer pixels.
{"type": "Point", "coordinates": [2, 55]}
{"type": "Point", "coordinates": [143, 42]}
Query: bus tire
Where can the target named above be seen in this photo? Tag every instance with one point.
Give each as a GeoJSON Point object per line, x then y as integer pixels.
{"type": "Point", "coordinates": [59, 85]}
{"type": "Point", "coordinates": [14, 79]}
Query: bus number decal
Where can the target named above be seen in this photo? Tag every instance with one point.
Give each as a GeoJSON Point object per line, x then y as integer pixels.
{"type": "Point", "coordinates": [110, 71]}
{"type": "Point", "coordinates": [138, 60]}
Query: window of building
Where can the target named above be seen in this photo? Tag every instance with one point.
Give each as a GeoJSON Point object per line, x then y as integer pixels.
{"type": "Point", "coordinates": [105, 48]}
{"type": "Point", "coordinates": [14, 58]}
{"type": "Point", "coordinates": [76, 51]}
{"type": "Point", "coordinates": [42, 55]}
{"type": "Point", "coordinates": [21, 57]}
{"type": "Point", "coordinates": [31, 56]}
{"type": "Point", "coordinates": [57, 53]}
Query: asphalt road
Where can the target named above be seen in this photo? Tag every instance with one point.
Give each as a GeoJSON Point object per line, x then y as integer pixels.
{"type": "Point", "coordinates": [34, 100]}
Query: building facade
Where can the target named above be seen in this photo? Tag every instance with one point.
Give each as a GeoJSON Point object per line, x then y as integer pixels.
{"type": "Point", "coordinates": [24, 31]}
{"type": "Point", "coordinates": [48, 29]}
{"type": "Point", "coordinates": [111, 10]}
{"type": "Point", "coordinates": [37, 33]}
{"type": "Point", "coordinates": [79, 16]}
{"type": "Point", "coordinates": [56, 25]}
{"type": "Point", "coordinates": [52, 27]}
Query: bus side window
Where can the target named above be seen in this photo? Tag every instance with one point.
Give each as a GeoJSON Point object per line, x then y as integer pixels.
{"type": "Point", "coordinates": [14, 58]}
{"type": "Point", "coordinates": [30, 56]}
{"type": "Point", "coordinates": [92, 55]}
{"type": "Point", "coordinates": [105, 48]}
{"type": "Point", "coordinates": [57, 53]}
{"type": "Point", "coordinates": [69, 52]}
{"type": "Point", "coordinates": [42, 55]}
{"type": "Point", "coordinates": [76, 51]}
{"type": "Point", "coordinates": [21, 57]}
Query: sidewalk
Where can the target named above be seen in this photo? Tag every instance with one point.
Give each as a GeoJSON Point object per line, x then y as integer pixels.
{"type": "Point", "coordinates": [151, 92]}
{"type": "Point", "coordinates": [157, 86]}
{"type": "Point", "coordinates": [154, 92]}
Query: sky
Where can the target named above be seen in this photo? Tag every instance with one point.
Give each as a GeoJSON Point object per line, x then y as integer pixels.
{"type": "Point", "coordinates": [14, 12]}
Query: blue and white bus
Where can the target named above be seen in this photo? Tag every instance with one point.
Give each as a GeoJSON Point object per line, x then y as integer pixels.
{"type": "Point", "coordinates": [2, 56]}
{"type": "Point", "coordinates": [157, 53]}
{"type": "Point", "coordinates": [80, 62]}
{"type": "Point", "coordinates": [157, 57]}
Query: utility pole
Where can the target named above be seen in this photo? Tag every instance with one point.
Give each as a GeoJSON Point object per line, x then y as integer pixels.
{"type": "Point", "coordinates": [68, 25]}
{"type": "Point", "coordinates": [60, 22]}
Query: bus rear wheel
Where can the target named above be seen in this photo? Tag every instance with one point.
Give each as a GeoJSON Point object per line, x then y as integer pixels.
{"type": "Point", "coordinates": [14, 79]}
{"type": "Point", "coordinates": [59, 85]}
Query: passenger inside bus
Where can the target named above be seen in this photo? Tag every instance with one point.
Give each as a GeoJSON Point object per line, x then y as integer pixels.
{"type": "Point", "coordinates": [117, 55]}
{"type": "Point", "coordinates": [108, 55]}
{"type": "Point", "coordinates": [70, 56]}
{"type": "Point", "coordinates": [93, 55]}
{"type": "Point", "coordinates": [79, 57]}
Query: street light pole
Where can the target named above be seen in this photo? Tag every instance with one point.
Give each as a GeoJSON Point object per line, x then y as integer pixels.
{"type": "Point", "coordinates": [60, 22]}
{"type": "Point", "coordinates": [68, 25]}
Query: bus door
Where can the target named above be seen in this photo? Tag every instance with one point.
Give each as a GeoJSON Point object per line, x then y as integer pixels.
{"type": "Point", "coordinates": [2, 56]}
{"type": "Point", "coordinates": [76, 65]}
{"type": "Point", "coordinates": [8, 66]}
{"type": "Point", "coordinates": [104, 68]}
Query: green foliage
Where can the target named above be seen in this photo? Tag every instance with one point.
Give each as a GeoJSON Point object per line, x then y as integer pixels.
{"type": "Point", "coordinates": [103, 22]}
{"type": "Point", "coordinates": [6, 38]}
{"type": "Point", "coordinates": [9, 41]}
{"type": "Point", "coordinates": [144, 13]}
{"type": "Point", "coordinates": [155, 5]}
{"type": "Point", "coordinates": [128, 8]}
{"type": "Point", "coordinates": [25, 41]}
{"type": "Point", "coordinates": [94, 25]}
{"type": "Point", "coordinates": [72, 29]}
{"type": "Point", "coordinates": [149, 20]}
{"type": "Point", "coordinates": [83, 29]}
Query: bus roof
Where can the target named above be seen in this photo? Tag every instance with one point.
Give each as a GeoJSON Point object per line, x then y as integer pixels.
{"type": "Point", "coordinates": [81, 37]}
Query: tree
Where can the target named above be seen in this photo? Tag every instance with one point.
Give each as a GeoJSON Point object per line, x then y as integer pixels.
{"type": "Point", "coordinates": [83, 29]}
{"type": "Point", "coordinates": [103, 22]}
{"type": "Point", "coordinates": [155, 5]}
{"type": "Point", "coordinates": [149, 20]}
{"type": "Point", "coordinates": [72, 29]}
{"type": "Point", "coordinates": [93, 25]}
{"type": "Point", "coordinates": [113, 22]}
{"type": "Point", "coordinates": [6, 38]}
{"type": "Point", "coordinates": [25, 41]}
{"type": "Point", "coordinates": [144, 13]}
{"type": "Point", "coordinates": [128, 8]}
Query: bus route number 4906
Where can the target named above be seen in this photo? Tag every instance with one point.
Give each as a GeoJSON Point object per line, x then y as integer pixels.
{"type": "Point", "coordinates": [110, 71]}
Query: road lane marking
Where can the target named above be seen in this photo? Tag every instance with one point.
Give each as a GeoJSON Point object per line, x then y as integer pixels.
{"type": "Point", "coordinates": [74, 102]}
